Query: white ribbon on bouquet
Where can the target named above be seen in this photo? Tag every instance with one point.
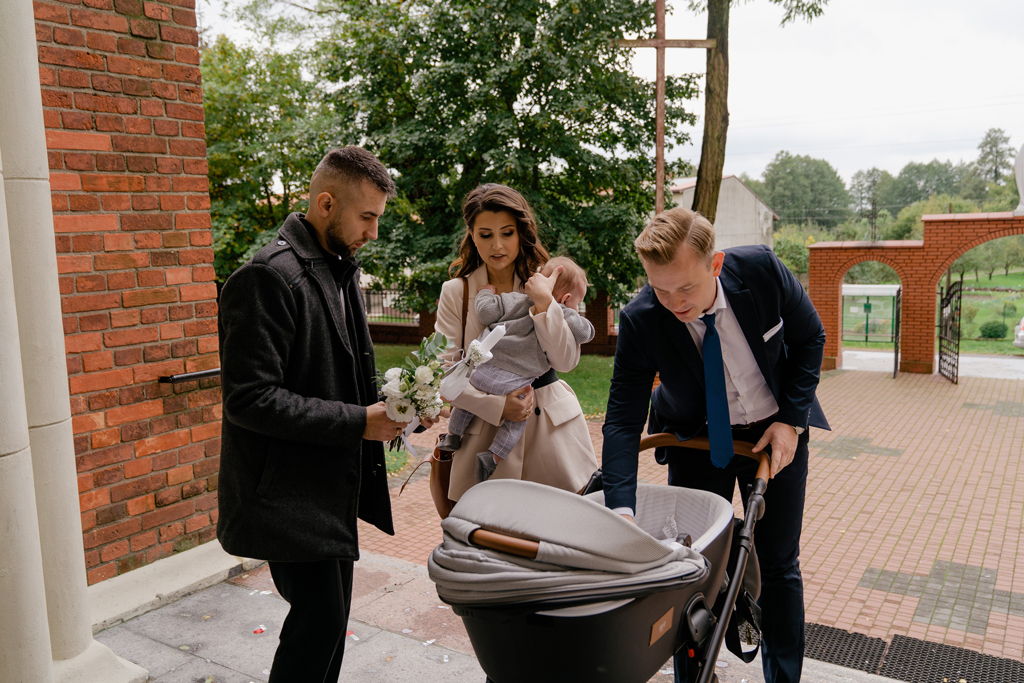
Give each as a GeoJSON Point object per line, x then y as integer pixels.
{"type": "Point", "coordinates": [406, 433]}
{"type": "Point", "coordinates": [478, 353]}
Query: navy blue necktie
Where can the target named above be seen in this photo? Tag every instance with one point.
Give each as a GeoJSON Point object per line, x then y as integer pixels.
{"type": "Point", "coordinates": [719, 426]}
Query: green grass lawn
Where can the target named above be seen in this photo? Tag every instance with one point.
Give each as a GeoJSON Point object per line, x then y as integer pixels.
{"type": "Point", "coordinates": [987, 347]}
{"type": "Point", "coordinates": [590, 380]}
{"type": "Point", "coordinates": [1015, 279]}
{"type": "Point", "coordinates": [395, 461]}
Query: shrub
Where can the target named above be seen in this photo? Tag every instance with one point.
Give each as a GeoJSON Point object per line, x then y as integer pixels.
{"type": "Point", "coordinates": [993, 329]}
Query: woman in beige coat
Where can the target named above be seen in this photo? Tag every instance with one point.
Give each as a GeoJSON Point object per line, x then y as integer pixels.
{"type": "Point", "coordinates": [501, 248]}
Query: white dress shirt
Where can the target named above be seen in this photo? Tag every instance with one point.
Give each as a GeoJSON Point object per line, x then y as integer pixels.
{"type": "Point", "coordinates": [750, 399]}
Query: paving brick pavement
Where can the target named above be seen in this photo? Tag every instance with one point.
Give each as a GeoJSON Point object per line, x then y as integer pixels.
{"type": "Point", "coordinates": [913, 515]}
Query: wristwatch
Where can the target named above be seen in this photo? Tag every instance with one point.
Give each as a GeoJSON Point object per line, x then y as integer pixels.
{"type": "Point", "coordinates": [798, 430]}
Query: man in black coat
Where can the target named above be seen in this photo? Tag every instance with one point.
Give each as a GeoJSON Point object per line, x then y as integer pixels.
{"type": "Point", "coordinates": [301, 454]}
{"type": "Point", "coordinates": [771, 342]}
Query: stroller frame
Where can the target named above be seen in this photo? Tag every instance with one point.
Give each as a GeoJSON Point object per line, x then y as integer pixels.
{"type": "Point", "coordinates": [698, 616]}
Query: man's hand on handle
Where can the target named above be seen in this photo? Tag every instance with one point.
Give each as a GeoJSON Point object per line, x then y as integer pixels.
{"type": "Point", "coordinates": [783, 439]}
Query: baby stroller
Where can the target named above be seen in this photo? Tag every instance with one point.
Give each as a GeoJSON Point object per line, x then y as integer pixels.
{"type": "Point", "coordinates": [553, 586]}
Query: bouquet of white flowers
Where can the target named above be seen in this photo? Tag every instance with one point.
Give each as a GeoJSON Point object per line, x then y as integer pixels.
{"type": "Point", "coordinates": [412, 390]}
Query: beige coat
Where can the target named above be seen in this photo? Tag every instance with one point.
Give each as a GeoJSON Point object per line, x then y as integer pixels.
{"type": "Point", "coordinates": [556, 447]}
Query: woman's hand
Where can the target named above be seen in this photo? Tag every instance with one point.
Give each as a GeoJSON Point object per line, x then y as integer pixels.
{"type": "Point", "coordinates": [518, 404]}
{"type": "Point", "coordinates": [539, 288]}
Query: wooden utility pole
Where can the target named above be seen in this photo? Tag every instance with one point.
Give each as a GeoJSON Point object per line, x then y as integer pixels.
{"type": "Point", "coordinates": [716, 113]}
{"type": "Point", "coordinates": [660, 43]}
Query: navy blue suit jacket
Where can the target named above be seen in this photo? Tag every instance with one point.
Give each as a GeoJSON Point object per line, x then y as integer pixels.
{"type": "Point", "coordinates": [762, 292]}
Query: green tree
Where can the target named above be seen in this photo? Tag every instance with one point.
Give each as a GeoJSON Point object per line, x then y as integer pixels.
{"type": "Point", "coordinates": [264, 136]}
{"type": "Point", "coordinates": [866, 189]}
{"type": "Point", "coordinates": [918, 181]}
{"type": "Point", "coordinates": [790, 245]}
{"type": "Point", "coordinates": [970, 184]}
{"type": "Point", "coordinates": [716, 111]}
{"type": "Point", "coordinates": [801, 189]}
{"type": "Point", "coordinates": [988, 258]}
{"type": "Point", "coordinates": [1001, 197]}
{"type": "Point", "coordinates": [756, 185]}
{"type": "Point", "coordinates": [530, 93]}
{"type": "Point", "coordinates": [970, 262]}
{"type": "Point", "coordinates": [995, 155]}
{"type": "Point", "coordinates": [871, 273]}
{"type": "Point", "coordinates": [1010, 253]}
{"type": "Point", "coordinates": [908, 225]}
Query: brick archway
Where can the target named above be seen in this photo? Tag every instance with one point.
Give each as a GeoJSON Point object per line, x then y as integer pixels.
{"type": "Point", "coordinates": [920, 264]}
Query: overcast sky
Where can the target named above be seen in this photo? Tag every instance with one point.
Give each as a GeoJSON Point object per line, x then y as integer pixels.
{"type": "Point", "coordinates": [869, 83]}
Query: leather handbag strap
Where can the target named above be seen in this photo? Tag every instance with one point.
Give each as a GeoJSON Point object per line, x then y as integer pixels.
{"type": "Point", "coordinates": [465, 310]}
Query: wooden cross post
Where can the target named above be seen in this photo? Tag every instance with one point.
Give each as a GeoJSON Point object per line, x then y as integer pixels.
{"type": "Point", "coordinates": [660, 43]}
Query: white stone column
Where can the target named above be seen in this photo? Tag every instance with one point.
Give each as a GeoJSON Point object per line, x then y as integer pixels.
{"type": "Point", "coordinates": [76, 656]}
{"type": "Point", "coordinates": [24, 635]}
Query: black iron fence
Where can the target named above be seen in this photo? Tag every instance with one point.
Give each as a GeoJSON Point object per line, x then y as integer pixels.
{"type": "Point", "coordinates": [380, 308]}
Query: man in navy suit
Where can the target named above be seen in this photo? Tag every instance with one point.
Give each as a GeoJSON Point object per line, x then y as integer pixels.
{"type": "Point", "coordinates": [772, 342]}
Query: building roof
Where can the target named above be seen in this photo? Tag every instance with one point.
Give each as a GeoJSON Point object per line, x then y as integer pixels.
{"type": "Point", "coordinates": [683, 184]}
{"type": "Point", "coordinates": [870, 290]}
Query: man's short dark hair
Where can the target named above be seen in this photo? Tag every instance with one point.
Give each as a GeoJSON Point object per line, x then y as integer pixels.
{"type": "Point", "coordinates": [355, 163]}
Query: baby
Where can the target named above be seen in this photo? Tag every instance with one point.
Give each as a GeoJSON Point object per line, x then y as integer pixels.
{"type": "Point", "coordinates": [518, 358]}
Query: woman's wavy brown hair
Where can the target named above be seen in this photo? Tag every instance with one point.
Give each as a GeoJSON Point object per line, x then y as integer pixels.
{"type": "Point", "coordinates": [493, 197]}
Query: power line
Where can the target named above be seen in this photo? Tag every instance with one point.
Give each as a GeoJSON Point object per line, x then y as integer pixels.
{"type": "Point", "coordinates": [1002, 102]}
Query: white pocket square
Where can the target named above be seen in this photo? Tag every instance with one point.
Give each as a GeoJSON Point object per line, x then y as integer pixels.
{"type": "Point", "coordinates": [770, 333]}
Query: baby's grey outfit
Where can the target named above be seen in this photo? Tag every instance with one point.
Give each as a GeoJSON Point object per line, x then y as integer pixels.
{"type": "Point", "coordinates": [518, 358]}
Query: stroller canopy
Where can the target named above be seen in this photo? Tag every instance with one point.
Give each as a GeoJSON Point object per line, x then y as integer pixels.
{"type": "Point", "coordinates": [586, 551]}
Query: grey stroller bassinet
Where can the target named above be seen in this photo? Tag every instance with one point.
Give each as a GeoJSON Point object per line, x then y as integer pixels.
{"type": "Point", "coordinates": [570, 591]}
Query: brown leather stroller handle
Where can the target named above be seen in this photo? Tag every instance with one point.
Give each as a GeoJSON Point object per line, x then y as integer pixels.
{"type": "Point", "coordinates": [522, 547]}
{"type": "Point", "coordinates": [504, 543]}
{"type": "Point", "coordinates": [701, 443]}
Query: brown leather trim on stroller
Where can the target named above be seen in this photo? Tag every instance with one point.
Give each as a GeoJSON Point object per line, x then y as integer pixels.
{"type": "Point", "coordinates": [494, 540]}
{"type": "Point", "coordinates": [524, 547]}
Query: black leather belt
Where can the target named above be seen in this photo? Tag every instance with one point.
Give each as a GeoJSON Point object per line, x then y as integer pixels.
{"type": "Point", "coordinates": [549, 377]}
{"type": "Point", "coordinates": [760, 425]}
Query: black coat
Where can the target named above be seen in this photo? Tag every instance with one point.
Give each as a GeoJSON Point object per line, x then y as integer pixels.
{"type": "Point", "coordinates": [296, 373]}
{"type": "Point", "coordinates": [781, 327]}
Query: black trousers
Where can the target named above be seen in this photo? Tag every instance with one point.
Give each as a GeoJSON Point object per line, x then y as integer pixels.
{"type": "Point", "coordinates": [313, 636]}
{"type": "Point", "coordinates": [776, 540]}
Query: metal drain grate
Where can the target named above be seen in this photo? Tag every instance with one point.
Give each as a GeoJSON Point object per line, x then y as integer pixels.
{"type": "Point", "coordinates": [918, 661]}
{"type": "Point", "coordinates": [836, 646]}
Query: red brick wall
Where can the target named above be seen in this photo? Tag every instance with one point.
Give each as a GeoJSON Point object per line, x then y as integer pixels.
{"type": "Point", "coordinates": [123, 110]}
{"type": "Point", "coordinates": [919, 264]}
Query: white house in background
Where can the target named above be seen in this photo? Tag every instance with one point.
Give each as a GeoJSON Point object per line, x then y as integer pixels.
{"type": "Point", "coordinates": [742, 217]}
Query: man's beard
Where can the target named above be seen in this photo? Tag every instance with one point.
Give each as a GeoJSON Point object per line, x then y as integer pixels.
{"type": "Point", "coordinates": [336, 244]}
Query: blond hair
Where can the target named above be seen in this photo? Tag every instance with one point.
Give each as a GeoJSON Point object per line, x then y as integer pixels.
{"type": "Point", "coordinates": [665, 233]}
{"type": "Point", "coordinates": [572, 277]}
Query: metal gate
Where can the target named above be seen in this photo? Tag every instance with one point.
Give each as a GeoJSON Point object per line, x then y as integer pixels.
{"type": "Point", "coordinates": [949, 332]}
{"type": "Point", "coordinates": [897, 305]}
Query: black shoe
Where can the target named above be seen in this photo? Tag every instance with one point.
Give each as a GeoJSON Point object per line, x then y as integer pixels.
{"type": "Point", "coordinates": [449, 443]}
{"type": "Point", "coordinates": [486, 465]}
